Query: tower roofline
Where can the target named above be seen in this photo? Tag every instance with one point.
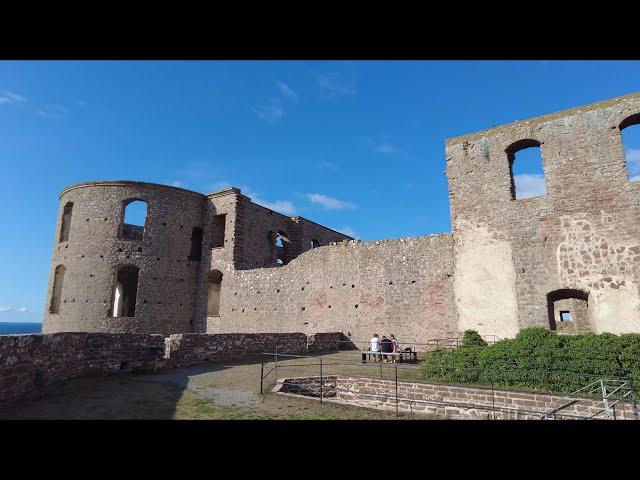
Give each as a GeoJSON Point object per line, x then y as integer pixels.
{"type": "Point", "coordinates": [132, 183]}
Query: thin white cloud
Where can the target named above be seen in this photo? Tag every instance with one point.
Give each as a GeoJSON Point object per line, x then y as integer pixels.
{"type": "Point", "coordinates": [221, 185]}
{"type": "Point", "coordinates": [52, 111]}
{"type": "Point", "coordinates": [529, 185]}
{"type": "Point", "coordinates": [272, 111]}
{"type": "Point", "coordinates": [282, 206]}
{"type": "Point", "coordinates": [633, 162]}
{"type": "Point", "coordinates": [6, 308]}
{"type": "Point", "coordinates": [334, 83]}
{"type": "Point", "coordinates": [81, 103]}
{"type": "Point", "coordinates": [11, 98]}
{"type": "Point", "coordinates": [348, 231]}
{"type": "Point", "coordinates": [385, 148]}
{"type": "Point", "coordinates": [286, 91]}
{"type": "Point", "coordinates": [329, 203]}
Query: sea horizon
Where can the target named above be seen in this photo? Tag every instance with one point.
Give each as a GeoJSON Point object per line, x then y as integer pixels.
{"type": "Point", "coordinates": [15, 328]}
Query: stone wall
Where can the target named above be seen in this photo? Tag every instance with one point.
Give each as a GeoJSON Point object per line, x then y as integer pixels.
{"type": "Point", "coordinates": [326, 342]}
{"type": "Point", "coordinates": [191, 348]}
{"type": "Point", "coordinates": [448, 401]}
{"type": "Point", "coordinates": [167, 280]}
{"type": "Point", "coordinates": [28, 363]}
{"type": "Point", "coordinates": [494, 273]}
{"type": "Point", "coordinates": [404, 287]}
{"type": "Point", "coordinates": [583, 234]}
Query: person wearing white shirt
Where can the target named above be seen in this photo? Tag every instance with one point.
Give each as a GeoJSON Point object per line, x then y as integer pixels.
{"type": "Point", "coordinates": [374, 345]}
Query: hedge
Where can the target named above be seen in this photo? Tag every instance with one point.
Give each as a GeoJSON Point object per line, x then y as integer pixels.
{"type": "Point", "coordinates": [537, 359]}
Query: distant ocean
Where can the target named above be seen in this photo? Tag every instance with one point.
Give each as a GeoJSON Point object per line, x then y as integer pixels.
{"type": "Point", "coordinates": [9, 328]}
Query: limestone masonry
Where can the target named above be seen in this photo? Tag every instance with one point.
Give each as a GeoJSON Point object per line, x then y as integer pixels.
{"type": "Point", "coordinates": [218, 263]}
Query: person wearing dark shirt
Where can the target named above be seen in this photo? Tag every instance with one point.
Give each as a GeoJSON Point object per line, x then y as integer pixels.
{"type": "Point", "coordinates": [386, 346]}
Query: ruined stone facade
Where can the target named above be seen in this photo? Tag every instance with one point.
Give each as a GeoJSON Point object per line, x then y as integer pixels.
{"type": "Point", "coordinates": [219, 263]}
{"type": "Point", "coordinates": [583, 237]}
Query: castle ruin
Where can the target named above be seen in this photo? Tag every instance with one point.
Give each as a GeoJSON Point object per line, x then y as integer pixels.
{"type": "Point", "coordinates": [568, 260]}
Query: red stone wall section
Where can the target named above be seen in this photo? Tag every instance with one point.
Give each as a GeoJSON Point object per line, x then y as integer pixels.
{"type": "Point", "coordinates": [192, 348]}
{"type": "Point", "coordinates": [28, 363]}
{"type": "Point", "coordinates": [447, 401]}
{"type": "Point", "coordinates": [465, 402]}
{"type": "Point", "coordinates": [324, 342]}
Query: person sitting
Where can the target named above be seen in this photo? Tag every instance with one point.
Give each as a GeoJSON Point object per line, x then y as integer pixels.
{"type": "Point", "coordinates": [395, 347]}
{"type": "Point", "coordinates": [386, 346]}
{"type": "Point", "coordinates": [374, 345]}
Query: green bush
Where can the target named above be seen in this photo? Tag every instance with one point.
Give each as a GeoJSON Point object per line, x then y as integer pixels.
{"type": "Point", "coordinates": [538, 359]}
{"type": "Point", "coordinates": [471, 338]}
{"type": "Point", "coordinates": [456, 365]}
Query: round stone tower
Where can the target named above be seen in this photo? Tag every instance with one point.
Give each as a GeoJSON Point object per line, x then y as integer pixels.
{"type": "Point", "coordinates": [108, 275]}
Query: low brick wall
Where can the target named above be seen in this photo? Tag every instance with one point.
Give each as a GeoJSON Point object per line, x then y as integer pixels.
{"type": "Point", "coordinates": [324, 342]}
{"type": "Point", "coordinates": [28, 363]}
{"type": "Point", "coordinates": [191, 348]}
{"type": "Point", "coordinates": [309, 386]}
{"type": "Point", "coordinates": [448, 401]}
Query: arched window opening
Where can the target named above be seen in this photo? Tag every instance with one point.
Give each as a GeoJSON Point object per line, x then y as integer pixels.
{"type": "Point", "coordinates": [630, 132]}
{"type": "Point", "coordinates": [196, 244]}
{"type": "Point", "coordinates": [56, 294]}
{"type": "Point", "coordinates": [568, 310]}
{"type": "Point", "coordinates": [314, 244]}
{"type": "Point", "coordinates": [65, 225]}
{"type": "Point", "coordinates": [213, 294]}
{"type": "Point", "coordinates": [126, 291]}
{"type": "Point", "coordinates": [526, 169]}
{"type": "Point", "coordinates": [281, 244]}
{"type": "Point", "coordinates": [134, 219]}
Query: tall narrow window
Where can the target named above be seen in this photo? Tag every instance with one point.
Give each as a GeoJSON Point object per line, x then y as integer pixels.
{"type": "Point", "coordinates": [196, 244]}
{"type": "Point", "coordinates": [65, 225]}
{"type": "Point", "coordinates": [217, 237]}
{"type": "Point", "coordinates": [134, 219]}
{"type": "Point", "coordinates": [281, 244]}
{"type": "Point", "coordinates": [126, 291]}
{"type": "Point", "coordinates": [56, 294]}
{"type": "Point", "coordinates": [630, 131]}
{"type": "Point", "coordinates": [213, 294]}
{"type": "Point", "coordinates": [526, 169]}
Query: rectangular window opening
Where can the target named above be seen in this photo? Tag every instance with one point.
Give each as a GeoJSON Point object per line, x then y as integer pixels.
{"type": "Point", "coordinates": [217, 239]}
{"type": "Point", "coordinates": [565, 316]}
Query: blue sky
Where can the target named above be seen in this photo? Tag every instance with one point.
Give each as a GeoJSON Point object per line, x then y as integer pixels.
{"type": "Point", "coordinates": [357, 146]}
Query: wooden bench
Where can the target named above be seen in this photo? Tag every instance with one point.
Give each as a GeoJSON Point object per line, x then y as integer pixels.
{"type": "Point", "coordinates": [366, 356]}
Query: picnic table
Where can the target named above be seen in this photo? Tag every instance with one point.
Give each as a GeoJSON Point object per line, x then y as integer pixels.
{"type": "Point", "coordinates": [402, 355]}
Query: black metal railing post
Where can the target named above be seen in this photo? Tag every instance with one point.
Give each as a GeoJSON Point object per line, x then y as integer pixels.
{"type": "Point", "coordinates": [261, 375]}
{"type": "Point", "coordinates": [493, 395]}
{"type": "Point", "coordinates": [396, 365]}
{"type": "Point", "coordinates": [320, 380]}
